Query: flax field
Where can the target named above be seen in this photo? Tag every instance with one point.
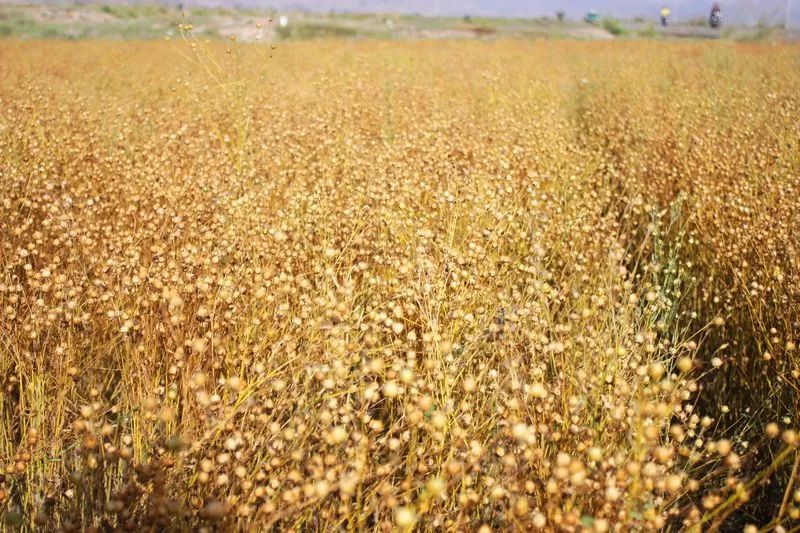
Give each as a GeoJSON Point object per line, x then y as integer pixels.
{"type": "Point", "coordinates": [396, 286]}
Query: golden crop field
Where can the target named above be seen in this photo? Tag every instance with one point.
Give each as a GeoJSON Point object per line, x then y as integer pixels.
{"type": "Point", "coordinates": [376, 286]}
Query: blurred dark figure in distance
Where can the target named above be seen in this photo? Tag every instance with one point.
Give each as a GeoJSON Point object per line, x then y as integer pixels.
{"type": "Point", "coordinates": [665, 13]}
{"type": "Point", "coordinates": [715, 19]}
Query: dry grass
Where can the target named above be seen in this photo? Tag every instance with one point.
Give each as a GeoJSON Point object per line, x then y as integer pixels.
{"type": "Point", "coordinates": [371, 286]}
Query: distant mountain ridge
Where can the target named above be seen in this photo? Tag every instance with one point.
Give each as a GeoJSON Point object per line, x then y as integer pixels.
{"type": "Point", "coordinates": [739, 12]}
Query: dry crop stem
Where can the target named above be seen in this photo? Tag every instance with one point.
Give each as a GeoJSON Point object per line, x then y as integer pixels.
{"type": "Point", "coordinates": [376, 286]}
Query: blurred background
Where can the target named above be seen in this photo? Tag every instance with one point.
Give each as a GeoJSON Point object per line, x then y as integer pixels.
{"type": "Point", "coordinates": [404, 19]}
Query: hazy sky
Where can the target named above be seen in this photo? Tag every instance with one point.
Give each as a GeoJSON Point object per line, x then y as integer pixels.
{"type": "Point", "coordinates": [749, 11]}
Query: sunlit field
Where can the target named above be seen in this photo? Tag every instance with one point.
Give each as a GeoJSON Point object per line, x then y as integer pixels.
{"type": "Point", "coordinates": [377, 286]}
